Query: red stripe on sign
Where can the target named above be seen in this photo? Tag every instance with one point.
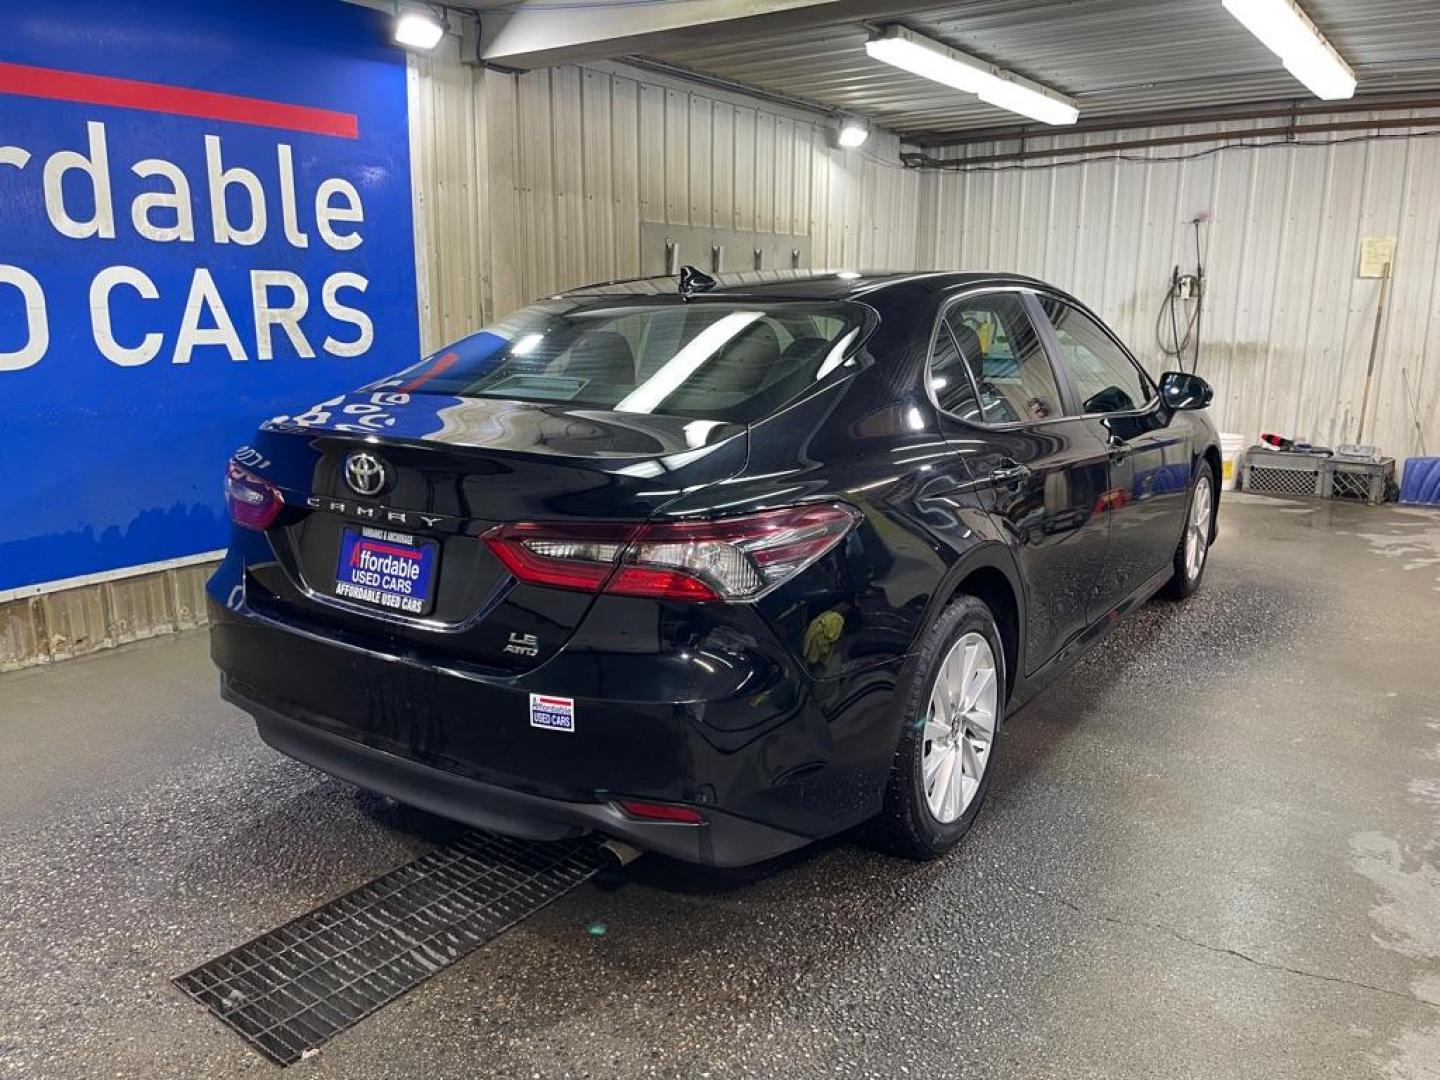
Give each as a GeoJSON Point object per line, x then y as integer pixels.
{"type": "Point", "coordinates": [386, 549]}
{"type": "Point", "coordinates": [27, 81]}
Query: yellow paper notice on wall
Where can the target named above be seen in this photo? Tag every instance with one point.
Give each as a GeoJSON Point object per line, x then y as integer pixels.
{"type": "Point", "coordinates": [1376, 253]}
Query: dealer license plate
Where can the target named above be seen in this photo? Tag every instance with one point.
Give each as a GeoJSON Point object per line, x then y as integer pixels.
{"type": "Point", "coordinates": [388, 570]}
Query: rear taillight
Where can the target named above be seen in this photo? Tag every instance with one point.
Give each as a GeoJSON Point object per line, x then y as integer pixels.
{"type": "Point", "coordinates": [736, 558]}
{"type": "Point", "coordinates": [562, 556]}
{"type": "Point", "coordinates": [254, 501]}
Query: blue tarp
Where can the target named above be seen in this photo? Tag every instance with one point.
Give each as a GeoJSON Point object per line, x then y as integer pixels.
{"type": "Point", "coordinates": [1421, 484]}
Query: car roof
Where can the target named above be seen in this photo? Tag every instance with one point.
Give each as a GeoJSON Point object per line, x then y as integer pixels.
{"type": "Point", "coordinates": [806, 284]}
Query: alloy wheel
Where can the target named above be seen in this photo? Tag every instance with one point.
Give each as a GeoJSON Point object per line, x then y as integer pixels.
{"type": "Point", "coordinates": [959, 727]}
{"type": "Point", "coordinates": [1197, 529]}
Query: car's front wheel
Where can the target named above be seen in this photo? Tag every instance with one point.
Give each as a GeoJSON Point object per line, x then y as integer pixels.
{"type": "Point", "coordinates": [1194, 547]}
{"type": "Point", "coordinates": [951, 714]}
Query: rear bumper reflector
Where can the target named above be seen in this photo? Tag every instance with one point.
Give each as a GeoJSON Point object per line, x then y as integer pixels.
{"type": "Point", "coordinates": [653, 811]}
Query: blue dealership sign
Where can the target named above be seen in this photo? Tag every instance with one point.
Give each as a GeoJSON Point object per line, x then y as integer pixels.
{"type": "Point", "coordinates": [205, 220]}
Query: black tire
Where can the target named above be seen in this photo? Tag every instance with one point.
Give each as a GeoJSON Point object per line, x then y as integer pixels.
{"type": "Point", "coordinates": [1183, 583]}
{"type": "Point", "coordinates": [906, 825]}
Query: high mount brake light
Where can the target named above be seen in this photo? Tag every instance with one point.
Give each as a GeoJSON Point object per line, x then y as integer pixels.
{"type": "Point", "coordinates": [737, 558]}
{"type": "Point", "coordinates": [254, 501]}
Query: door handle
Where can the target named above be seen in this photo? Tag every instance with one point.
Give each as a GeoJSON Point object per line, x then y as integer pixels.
{"type": "Point", "coordinates": [1010, 473]}
{"type": "Point", "coordinates": [1119, 448]}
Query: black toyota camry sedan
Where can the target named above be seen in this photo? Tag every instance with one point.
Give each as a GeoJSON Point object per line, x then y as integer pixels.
{"type": "Point", "coordinates": [716, 569]}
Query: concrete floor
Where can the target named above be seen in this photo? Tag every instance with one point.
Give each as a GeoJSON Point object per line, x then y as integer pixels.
{"type": "Point", "coordinates": [1211, 851]}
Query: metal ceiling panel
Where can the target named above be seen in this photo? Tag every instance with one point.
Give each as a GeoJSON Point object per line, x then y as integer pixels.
{"type": "Point", "coordinates": [1116, 57]}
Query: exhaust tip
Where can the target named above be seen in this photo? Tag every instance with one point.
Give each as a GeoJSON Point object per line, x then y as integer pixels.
{"type": "Point", "coordinates": [621, 853]}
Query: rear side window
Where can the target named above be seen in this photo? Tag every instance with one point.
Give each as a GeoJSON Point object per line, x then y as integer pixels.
{"type": "Point", "coordinates": [949, 379]}
{"type": "Point", "coordinates": [727, 361]}
{"type": "Point", "coordinates": [1013, 379]}
{"type": "Point", "coordinates": [1106, 379]}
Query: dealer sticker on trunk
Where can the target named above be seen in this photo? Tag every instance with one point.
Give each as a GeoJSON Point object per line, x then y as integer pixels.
{"type": "Point", "coordinates": [552, 713]}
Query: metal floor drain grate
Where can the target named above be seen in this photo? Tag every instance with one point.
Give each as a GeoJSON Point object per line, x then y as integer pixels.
{"type": "Point", "coordinates": [291, 990]}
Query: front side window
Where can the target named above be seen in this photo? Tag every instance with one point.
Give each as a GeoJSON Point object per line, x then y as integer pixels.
{"type": "Point", "coordinates": [1002, 349]}
{"type": "Point", "coordinates": [1106, 379]}
{"type": "Point", "coordinates": [727, 361]}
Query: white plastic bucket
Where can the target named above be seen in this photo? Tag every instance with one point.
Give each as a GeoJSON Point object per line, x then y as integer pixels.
{"type": "Point", "coordinates": [1231, 447]}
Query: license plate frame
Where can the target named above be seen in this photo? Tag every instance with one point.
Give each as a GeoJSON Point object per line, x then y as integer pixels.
{"type": "Point", "coordinates": [386, 571]}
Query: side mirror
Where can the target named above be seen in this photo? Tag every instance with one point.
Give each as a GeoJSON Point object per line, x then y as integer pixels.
{"type": "Point", "coordinates": [1181, 390]}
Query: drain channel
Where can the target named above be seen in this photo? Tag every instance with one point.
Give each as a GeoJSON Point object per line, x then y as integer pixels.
{"type": "Point", "coordinates": [291, 990]}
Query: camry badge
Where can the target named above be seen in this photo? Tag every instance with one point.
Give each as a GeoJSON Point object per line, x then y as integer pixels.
{"type": "Point", "coordinates": [365, 473]}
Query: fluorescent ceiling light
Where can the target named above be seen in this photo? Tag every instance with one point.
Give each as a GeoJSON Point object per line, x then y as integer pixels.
{"type": "Point", "coordinates": [930, 59]}
{"type": "Point", "coordinates": [852, 133]}
{"type": "Point", "coordinates": [1010, 92]}
{"type": "Point", "coordinates": [1287, 32]}
{"type": "Point", "coordinates": [418, 30]}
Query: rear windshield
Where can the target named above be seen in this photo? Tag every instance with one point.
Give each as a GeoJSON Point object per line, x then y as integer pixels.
{"type": "Point", "coordinates": [708, 360]}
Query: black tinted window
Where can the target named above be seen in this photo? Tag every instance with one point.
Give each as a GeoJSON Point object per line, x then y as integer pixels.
{"type": "Point", "coordinates": [709, 360]}
{"type": "Point", "coordinates": [949, 379]}
{"type": "Point", "coordinates": [1105, 378]}
{"type": "Point", "coordinates": [1000, 344]}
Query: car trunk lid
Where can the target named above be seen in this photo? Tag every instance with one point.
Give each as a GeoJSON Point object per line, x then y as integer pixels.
{"type": "Point", "coordinates": [453, 468]}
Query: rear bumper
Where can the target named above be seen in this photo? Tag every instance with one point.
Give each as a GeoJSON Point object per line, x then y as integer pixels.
{"type": "Point", "coordinates": [726, 841]}
{"type": "Point", "coordinates": [782, 761]}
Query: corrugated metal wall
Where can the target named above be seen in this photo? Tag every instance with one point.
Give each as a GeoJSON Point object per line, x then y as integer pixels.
{"type": "Point", "coordinates": [533, 183]}
{"type": "Point", "coordinates": [73, 622]}
{"type": "Point", "coordinates": [1288, 323]}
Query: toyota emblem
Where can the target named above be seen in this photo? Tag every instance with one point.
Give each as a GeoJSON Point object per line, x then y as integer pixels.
{"type": "Point", "coordinates": [365, 473]}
